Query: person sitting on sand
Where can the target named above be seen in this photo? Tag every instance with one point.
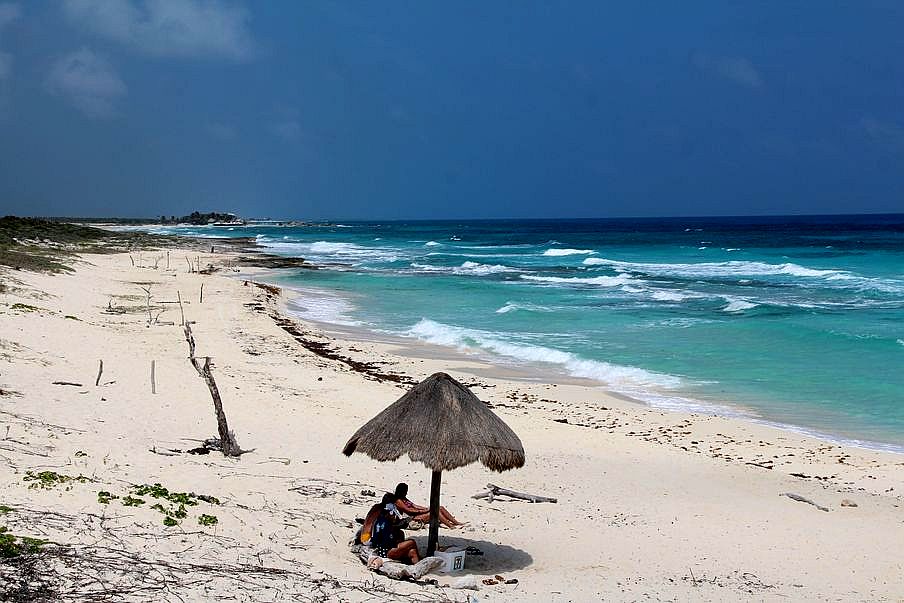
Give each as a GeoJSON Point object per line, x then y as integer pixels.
{"type": "Point", "coordinates": [419, 513]}
{"type": "Point", "coordinates": [386, 539]}
{"type": "Point", "coordinates": [363, 535]}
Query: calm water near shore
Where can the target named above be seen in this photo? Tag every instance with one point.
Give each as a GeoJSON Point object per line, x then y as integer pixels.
{"type": "Point", "coordinates": [800, 320]}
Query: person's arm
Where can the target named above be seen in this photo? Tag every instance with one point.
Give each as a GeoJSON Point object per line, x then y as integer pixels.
{"type": "Point", "coordinates": [406, 506]}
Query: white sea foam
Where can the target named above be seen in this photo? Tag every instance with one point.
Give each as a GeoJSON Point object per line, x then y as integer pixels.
{"type": "Point", "coordinates": [738, 305]}
{"type": "Point", "coordinates": [674, 403]}
{"type": "Point", "coordinates": [322, 306]}
{"type": "Point", "coordinates": [483, 269]}
{"type": "Point", "coordinates": [719, 269]}
{"type": "Point", "coordinates": [671, 296]}
{"type": "Point", "coordinates": [561, 252]}
{"type": "Point", "coordinates": [599, 281]}
{"type": "Point", "coordinates": [604, 372]}
{"type": "Point", "coordinates": [431, 244]}
{"type": "Point", "coordinates": [332, 251]}
{"type": "Point", "coordinates": [514, 306]}
{"type": "Point", "coordinates": [465, 269]}
{"type": "Point", "coordinates": [339, 248]}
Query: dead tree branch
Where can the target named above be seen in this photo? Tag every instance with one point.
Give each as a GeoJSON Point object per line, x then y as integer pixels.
{"type": "Point", "coordinates": [228, 445]}
{"type": "Point", "coordinates": [494, 491]}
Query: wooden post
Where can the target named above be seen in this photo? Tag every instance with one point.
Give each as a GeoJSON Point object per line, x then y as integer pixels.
{"type": "Point", "coordinates": [167, 260]}
{"type": "Point", "coordinates": [100, 371]}
{"type": "Point", "coordinates": [182, 322]}
{"type": "Point", "coordinates": [435, 482]}
{"type": "Point", "coordinates": [201, 297]}
{"type": "Point", "coordinates": [153, 377]}
{"type": "Point", "coordinates": [188, 261]}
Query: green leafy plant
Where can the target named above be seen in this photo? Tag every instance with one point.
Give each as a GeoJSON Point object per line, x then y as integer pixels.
{"type": "Point", "coordinates": [208, 520]}
{"type": "Point", "coordinates": [25, 308]}
{"type": "Point", "coordinates": [15, 546]}
{"type": "Point", "coordinates": [50, 479]}
{"type": "Point", "coordinates": [172, 505]}
{"type": "Point", "coordinates": [104, 497]}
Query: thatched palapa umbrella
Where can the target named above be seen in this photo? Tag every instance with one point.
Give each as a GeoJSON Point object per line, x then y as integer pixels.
{"type": "Point", "coordinates": [440, 423]}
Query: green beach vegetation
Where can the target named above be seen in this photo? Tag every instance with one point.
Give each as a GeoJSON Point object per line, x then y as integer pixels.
{"type": "Point", "coordinates": [40, 245]}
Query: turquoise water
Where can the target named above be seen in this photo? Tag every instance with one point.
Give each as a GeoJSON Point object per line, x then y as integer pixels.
{"type": "Point", "coordinates": [800, 321]}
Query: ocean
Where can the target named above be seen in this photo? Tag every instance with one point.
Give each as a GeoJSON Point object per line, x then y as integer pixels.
{"type": "Point", "coordinates": [795, 321]}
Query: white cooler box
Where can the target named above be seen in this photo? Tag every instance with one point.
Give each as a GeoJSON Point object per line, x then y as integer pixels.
{"type": "Point", "coordinates": [453, 560]}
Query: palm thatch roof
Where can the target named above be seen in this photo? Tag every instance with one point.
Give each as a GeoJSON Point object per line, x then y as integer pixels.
{"type": "Point", "coordinates": [442, 424]}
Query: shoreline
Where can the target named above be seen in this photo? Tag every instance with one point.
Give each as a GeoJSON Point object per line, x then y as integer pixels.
{"type": "Point", "coordinates": [534, 372]}
{"type": "Point", "coordinates": [654, 504]}
{"type": "Point", "coordinates": [400, 350]}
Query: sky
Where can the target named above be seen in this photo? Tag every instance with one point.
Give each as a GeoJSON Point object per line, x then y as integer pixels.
{"type": "Point", "coordinates": [429, 109]}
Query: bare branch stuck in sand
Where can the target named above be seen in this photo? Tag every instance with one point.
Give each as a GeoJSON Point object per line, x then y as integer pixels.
{"type": "Point", "coordinates": [228, 445]}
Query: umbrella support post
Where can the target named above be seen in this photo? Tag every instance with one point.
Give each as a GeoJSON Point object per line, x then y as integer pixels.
{"type": "Point", "coordinates": [434, 512]}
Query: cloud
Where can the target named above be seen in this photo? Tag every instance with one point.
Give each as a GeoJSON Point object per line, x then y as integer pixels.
{"type": "Point", "coordinates": [737, 69]}
{"type": "Point", "coordinates": [168, 28]}
{"type": "Point", "coordinates": [222, 132]}
{"type": "Point", "coordinates": [88, 81]}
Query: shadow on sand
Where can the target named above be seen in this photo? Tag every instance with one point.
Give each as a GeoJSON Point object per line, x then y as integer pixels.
{"type": "Point", "coordinates": [496, 558]}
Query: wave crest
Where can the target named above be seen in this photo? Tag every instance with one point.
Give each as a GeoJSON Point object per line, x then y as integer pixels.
{"type": "Point", "coordinates": [611, 374]}
{"type": "Point", "coordinates": [561, 252]}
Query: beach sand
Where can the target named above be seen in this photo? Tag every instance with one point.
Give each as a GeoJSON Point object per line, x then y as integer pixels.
{"type": "Point", "coordinates": [651, 504]}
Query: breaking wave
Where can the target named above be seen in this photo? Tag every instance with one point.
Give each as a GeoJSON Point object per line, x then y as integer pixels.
{"type": "Point", "coordinates": [599, 281]}
{"type": "Point", "coordinates": [610, 374]}
{"type": "Point", "coordinates": [561, 252]}
{"type": "Point", "coordinates": [466, 269]}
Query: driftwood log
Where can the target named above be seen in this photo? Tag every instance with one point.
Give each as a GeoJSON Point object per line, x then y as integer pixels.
{"type": "Point", "coordinates": [393, 569]}
{"type": "Point", "coordinates": [228, 445]}
{"type": "Point", "coordinates": [494, 491]}
{"type": "Point", "coordinates": [802, 499]}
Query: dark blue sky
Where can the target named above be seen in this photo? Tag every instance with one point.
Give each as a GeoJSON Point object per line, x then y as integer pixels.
{"type": "Point", "coordinates": [436, 110]}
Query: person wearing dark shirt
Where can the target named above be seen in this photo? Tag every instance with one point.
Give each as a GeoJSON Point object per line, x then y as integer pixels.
{"type": "Point", "coordinates": [386, 539]}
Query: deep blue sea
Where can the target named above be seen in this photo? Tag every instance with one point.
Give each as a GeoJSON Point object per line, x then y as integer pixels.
{"type": "Point", "coordinates": [791, 320]}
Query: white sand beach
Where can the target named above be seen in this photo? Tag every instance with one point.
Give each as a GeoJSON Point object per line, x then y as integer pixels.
{"type": "Point", "coordinates": [651, 504]}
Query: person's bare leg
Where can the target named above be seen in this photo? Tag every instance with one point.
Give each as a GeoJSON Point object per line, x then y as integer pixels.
{"type": "Point", "coordinates": [448, 517]}
{"type": "Point", "coordinates": [405, 551]}
{"type": "Point", "coordinates": [443, 519]}
{"type": "Point", "coordinates": [413, 553]}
